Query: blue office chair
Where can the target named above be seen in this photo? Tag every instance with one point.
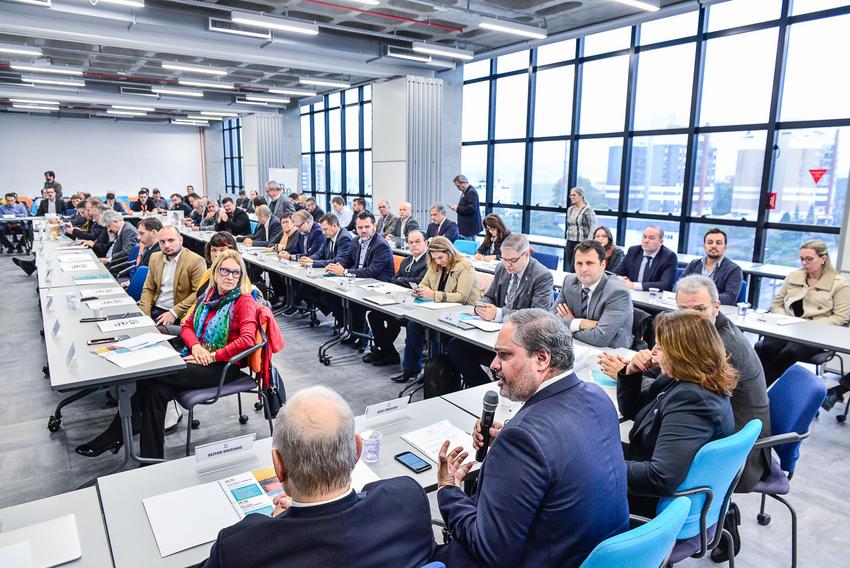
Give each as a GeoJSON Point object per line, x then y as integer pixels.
{"type": "Point", "coordinates": [33, 209]}
{"type": "Point", "coordinates": [134, 290]}
{"type": "Point", "coordinates": [742, 295]}
{"type": "Point", "coordinates": [647, 545]}
{"type": "Point", "coordinates": [679, 271]}
{"type": "Point", "coordinates": [122, 268]}
{"type": "Point", "coordinates": [713, 475]}
{"type": "Point", "coordinates": [795, 399]}
{"type": "Point", "coordinates": [254, 225]}
{"type": "Point", "coordinates": [550, 261]}
{"type": "Point", "coordinates": [434, 565]}
{"type": "Point", "coordinates": [466, 247]}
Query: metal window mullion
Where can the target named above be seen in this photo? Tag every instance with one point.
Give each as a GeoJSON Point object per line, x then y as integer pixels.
{"type": "Point", "coordinates": [626, 153]}
{"type": "Point", "coordinates": [525, 221]}
{"type": "Point", "coordinates": [491, 130]}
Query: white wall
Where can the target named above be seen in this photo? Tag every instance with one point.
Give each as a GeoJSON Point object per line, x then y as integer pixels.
{"type": "Point", "coordinates": [389, 142]}
{"type": "Point", "coordinates": [213, 160]}
{"type": "Point", "coordinates": [98, 155]}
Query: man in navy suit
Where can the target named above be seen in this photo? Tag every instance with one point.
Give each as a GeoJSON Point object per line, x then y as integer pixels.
{"type": "Point", "coordinates": [553, 484]}
{"type": "Point", "coordinates": [726, 275]}
{"type": "Point", "coordinates": [649, 264]}
{"type": "Point", "coordinates": [310, 240]}
{"type": "Point", "coordinates": [440, 226]}
{"type": "Point", "coordinates": [467, 209]}
{"type": "Point", "coordinates": [319, 519]}
{"type": "Point", "coordinates": [335, 249]}
{"type": "Point", "coordinates": [370, 256]}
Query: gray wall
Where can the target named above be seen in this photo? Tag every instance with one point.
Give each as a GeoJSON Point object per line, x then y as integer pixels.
{"type": "Point", "coordinates": [451, 124]}
{"type": "Point", "coordinates": [214, 160]}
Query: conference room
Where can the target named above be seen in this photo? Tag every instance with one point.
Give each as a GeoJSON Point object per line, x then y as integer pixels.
{"type": "Point", "coordinates": [421, 283]}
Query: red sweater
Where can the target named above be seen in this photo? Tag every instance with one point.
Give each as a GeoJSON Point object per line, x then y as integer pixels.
{"type": "Point", "coordinates": [243, 329]}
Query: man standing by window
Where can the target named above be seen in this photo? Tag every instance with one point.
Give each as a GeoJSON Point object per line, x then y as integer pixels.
{"type": "Point", "coordinates": [467, 209]}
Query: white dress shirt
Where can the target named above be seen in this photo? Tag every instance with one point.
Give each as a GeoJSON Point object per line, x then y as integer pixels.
{"type": "Point", "coordinates": [499, 314]}
{"type": "Point", "coordinates": [575, 325]}
{"type": "Point", "coordinates": [639, 285]}
{"type": "Point", "coordinates": [166, 289]}
{"type": "Point", "coordinates": [298, 504]}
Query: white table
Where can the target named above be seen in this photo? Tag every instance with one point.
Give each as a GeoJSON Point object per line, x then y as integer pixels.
{"type": "Point", "coordinates": [85, 506]}
{"type": "Point", "coordinates": [47, 254]}
{"type": "Point", "coordinates": [133, 542]}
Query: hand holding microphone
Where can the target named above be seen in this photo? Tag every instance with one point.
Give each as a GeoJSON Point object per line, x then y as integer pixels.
{"type": "Point", "coordinates": [491, 402]}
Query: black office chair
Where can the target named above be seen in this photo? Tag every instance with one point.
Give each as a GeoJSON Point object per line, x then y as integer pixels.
{"type": "Point", "coordinates": [643, 330]}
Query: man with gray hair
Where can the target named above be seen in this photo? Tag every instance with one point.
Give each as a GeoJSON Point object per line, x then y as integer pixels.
{"type": "Point", "coordinates": [551, 487]}
{"type": "Point", "coordinates": [268, 230]}
{"type": "Point", "coordinates": [749, 399]}
{"type": "Point", "coordinates": [277, 202]}
{"type": "Point", "coordinates": [319, 519]}
{"type": "Point", "coordinates": [520, 282]}
{"type": "Point", "coordinates": [126, 237]}
{"type": "Point", "coordinates": [440, 226]}
{"type": "Point", "coordinates": [467, 209]}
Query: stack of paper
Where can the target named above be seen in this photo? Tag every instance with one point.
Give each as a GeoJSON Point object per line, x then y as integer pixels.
{"type": "Point", "coordinates": [78, 266]}
{"type": "Point", "coordinates": [430, 439]}
{"type": "Point", "coordinates": [111, 302]}
{"type": "Point", "coordinates": [88, 292]}
{"type": "Point", "coordinates": [384, 288]}
{"type": "Point", "coordinates": [483, 325]}
{"type": "Point", "coordinates": [75, 257]}
{"type": "Point", "coordinates": [91, 279]}
{"type": "Point", "coordinates": [136, 350]}
{"type": "Point", "coordinates": [128, 323]}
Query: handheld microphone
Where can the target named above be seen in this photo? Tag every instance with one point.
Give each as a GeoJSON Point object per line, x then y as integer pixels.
{"type": "Point", "coordinates": [491, 402]}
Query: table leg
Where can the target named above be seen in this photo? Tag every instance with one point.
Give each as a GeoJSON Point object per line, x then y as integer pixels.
{"type": "Point", "coordinates": [125, 411]}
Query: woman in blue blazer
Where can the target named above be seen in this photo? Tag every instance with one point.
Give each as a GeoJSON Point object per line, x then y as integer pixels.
{"type": "Point", "coordinates": [684, 408]}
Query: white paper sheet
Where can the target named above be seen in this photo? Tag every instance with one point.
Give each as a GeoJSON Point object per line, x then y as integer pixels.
{"type": "Point", "coordinates": [92, 279]}
{"type": "Point", "coordinates": [134, 357]}
{"type": "Point", "coordinates": [381, 300]}
{"type": "Point", "coordinates": [78, 266]}
{"type": "Point", "coordinates": [75, 257]}
{"type": "Point", "coordinates": [437, 305]}
{"type": "Point", "coordinates": [88, 291]}
{"type": "Point", "coordinates": [430, 439]}
{"type": "Point", "coordinates": [384, 288]}
{"type": "Point", "coordinates": [109, 302]}
{"type": "Point", "coordinates": [128, 323]}
{"type": "Point", "coordinates": [18, 555]}
{"type": "Point", "coordinates": [52, 542]}
{"type": "Point", "coordinates": [188, 517]}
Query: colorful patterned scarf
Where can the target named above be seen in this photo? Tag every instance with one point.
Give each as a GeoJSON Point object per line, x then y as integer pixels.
{"type": "Point", "coordinates": [214, 335]}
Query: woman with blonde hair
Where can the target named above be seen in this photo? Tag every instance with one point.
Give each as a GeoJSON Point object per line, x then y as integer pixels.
{"type": "Point", "coordinates": [450, 278]}
{"type": "Point", "coordinates": [221, 324]}
{"type": "Point", "coordinates": [684, 408]}
{"type": "Point", "coordinates": [814, 292]}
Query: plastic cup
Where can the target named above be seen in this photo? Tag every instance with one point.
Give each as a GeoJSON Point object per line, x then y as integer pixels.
{"type": "Point", "coordinates": [310, 270]}
{"type": "Point", "coordinates": [73, 300]}
{"type": "Point", "coordinates": [97, 312]}
{"type": "Point", "coordinates": [372, 447]}
{"type": "Point", "coordinates": [743, 307]}
{"type": "Point", "coordinates": [654, 294]}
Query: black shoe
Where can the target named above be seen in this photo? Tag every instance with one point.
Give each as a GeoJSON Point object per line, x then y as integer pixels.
{"type": "Point", "coordinates": [10, 250]}
{"type": "Point", "coordinates": [361, 344]}
{"type": "Point", "coordinates": [27, 266]}
{"type": "Point", "coordinates": [392, 358]}
{"type": "Point", "coordinates": [405, 376]}
{"type": "Point", "coordinates": [833, 397]}
{"type": "Point", "coordinates": [733, 518]}
{"type": "Point", "coordinates": [19, 248]}
{"type": "Point", "coordinates": [372, 356]}
{"type": "Point", "coordinates": [349, 340]}
{"type": "Point", "coordinates": [92, 449]}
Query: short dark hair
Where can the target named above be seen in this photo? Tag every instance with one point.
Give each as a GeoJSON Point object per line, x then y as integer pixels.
{"type": "Point", "coordinates": [180, 197]}
{"type": "Point", "coordinates": [260, 201]}
{"type": "Point", "coordinates": [151, 224]}
{"type": "Point", "coordinates": [338, 199]}
{"type": "Point", "coordinates": [156, 190]}
{"type": "Point", "coordinates": [310, 200]}
{"type": "Point", "coordinates": [241, 192]}
{"type": "Point", "coordinates": [193, 195]}
{"type": "Point", "coordinates": [363, 215]}
{"type": "Point", "coordinates": [591, 245]}
{"type": "Point", "coordinates": [143, 191]}
{"type": "Point", "coordinates": [50, 173]}
{"type": "Point", "coordinates": [11, 194]}
{"type": "Point", "coordinates": [227, 200]}
{"type": "Point", "coordinates": [330, 219]}
{"type": "Point", "coordinates": [287, 215]}
{"type": "Point", "coordinates": [716, 231]}
{"type": "Point", "coordinates": [110, 195]}
{"type": "Point", "coordinates": [293, 195]}
{"type": "Point", "coordinates": [220, 239]}
{"type": "Point", "coordinates": [360, 200]}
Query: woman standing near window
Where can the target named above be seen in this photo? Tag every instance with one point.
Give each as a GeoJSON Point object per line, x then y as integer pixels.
{"type": "Point", "coordinates": [581, 220]}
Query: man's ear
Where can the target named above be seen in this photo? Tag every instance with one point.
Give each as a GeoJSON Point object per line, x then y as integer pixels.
{"type": "Point", "coordinates": [279, 466]}
{"type": "Point", "coordinates": [358, 445]}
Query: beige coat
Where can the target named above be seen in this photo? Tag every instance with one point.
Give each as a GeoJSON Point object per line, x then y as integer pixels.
{"type": "Point", "coordinates": [828, 302]}
{"type": "Point", "coordinates": [461, 285]}
{"type": "Point", "coordinates": [190, 269]}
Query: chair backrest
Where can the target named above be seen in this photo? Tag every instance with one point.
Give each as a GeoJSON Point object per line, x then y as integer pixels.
{"type": "Point", "coordinates": [253, 225]}
{"type": "Point", "coordinates": [679, 271]}
{"type": "Point", "coordinates": [137, 282]}
{"type": "Point", "coordinates": [466, 247]}
{"type": "Point", "coordinates": [33, 209]}
{"type": "Point", "coordinates": [742, 295]}
{"type": "Point", "coordinates": [397, 260]}
{"type": "Point", "coordinates": [26, 201]}
{"type": "Point", "coordinates": [484, 279]}
{"type": "Point", "coordinates": [716, 467]}
{"type": "Point", "coordinates": [795, 399]}
{"type": "Point", "coordinates": [645, 546]}
{"type": "Point", "coordinates": [134, 254]}
{"type": "Point", "coordinates": [643, 330]}
{"type": "Point", "coordinates": [550, 261]}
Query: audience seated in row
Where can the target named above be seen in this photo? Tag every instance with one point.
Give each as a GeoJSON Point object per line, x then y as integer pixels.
{"type": "Point", "coordinates": [649, 264]}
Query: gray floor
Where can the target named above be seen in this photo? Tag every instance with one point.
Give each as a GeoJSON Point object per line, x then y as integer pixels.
{"type": "Point", "coordinates": [35, 463]}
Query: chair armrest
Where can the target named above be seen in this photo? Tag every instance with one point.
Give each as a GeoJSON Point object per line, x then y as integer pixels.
{"type": "Point", "coordinates": [243, 354]}
{"type": "Point", "coordinates": [114, 267]}
{"type": "Point", "coordinates": [125, 270]}
{"type": "Point", "coordinates": [779, 439]}
{"type": "Point", "coordinates": [637, 520]}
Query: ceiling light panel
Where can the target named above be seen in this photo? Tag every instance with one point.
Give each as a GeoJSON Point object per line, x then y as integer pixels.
{"type": "Point", "coordinates": [291, 91]}
{"type": "Point", "coordinates": [513, 28]}
{"type": "Point", "coordinates": [267, 99]}
{"type": "Point", "coordinates": [648, 5]}
{"type": "Point", "coordinates": [205, 84]}
{"type": "Point", "coordinates": [202, 69]}
{"type": "Point", "coordinates": [176, 92]}
{"type": "Point", "coordinates": [43, 3]}
{"type": "Point", "coordinates": [129, 3]}
{"type": "Point", "coordinates": [53, 81]}
{"type": "Point", "coordinates": [443, 51]}
{"type": "Point", "coordinates": [125, 113]}
{"type": "Point", "coordinates": [217, 113]}
{"type": "Point", "coordinates": [20, 49]}
{"type": "Point", "coordinates": [35, 102]}
{"type": "Point", "coordinates": [323, 82]}
{"type": "Point", "coordinates": [52, 69]}
{"type": "Point", "coordinates": [133, 108]}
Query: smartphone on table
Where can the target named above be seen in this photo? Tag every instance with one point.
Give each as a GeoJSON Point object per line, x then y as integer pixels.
{"type": "Point", "coordinates": [412, 462]}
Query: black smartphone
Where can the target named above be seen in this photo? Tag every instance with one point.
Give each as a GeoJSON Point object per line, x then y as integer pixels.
{"type": "Point", "coordinates": [104, 340]}
{"type": "Point", "coordinates": [90, 320]}
{"type": "Point", "coordinates": [413, 462]}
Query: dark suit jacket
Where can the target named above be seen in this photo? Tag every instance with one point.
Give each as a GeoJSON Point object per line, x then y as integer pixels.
{"type": "Point", "coordinates": [661, 273]}
{"type": "Point", "coordinates": [237, 224]}
{"type": "Point", "coordinates": [42, 207]}
{"type": "Point", "coordinates": [484, 248]}
{"type": "Point", "coordinates": [315, 240]}
{"type": "Point", "coordinates": [147, 253]}
{"type": "Point", "coordinates": [280, 206]}
{"type": "Point", "coordinates": [615, 259]}
{"type": "Point", "coordinates": [352, 226]}
{"type": "Point", "coordinates": [387, 524]}
{"type": "Point", "coordinates": [324, 256]}
{"type": "Point", "coordinates": [182, 206]}
{"type": "Point", "coordinates": [728, 277]}
{"type": "Point", "coordinates": [448, 230]}
{"type": "Point", "coordinates": [610, 305]}
{"type": "Point", "coordinates": [379, 260]}
{"type": "Point", "coordinates": [317, 214]}
{"type": "Point", "coordinates": [411, 225]}
{"type": "Point", "coordinates": [410, 271]}
{"type": "Point", "coordinates": [124, 242]}
{"type": "Point", "coordinates": [148, 206]}
{"type": "Point", "coordinates": [550, 489]}
{"type": "Point", "coordinates": [535, 288]}
{"type": "Point", "coordinates": [258, 239]}
{"type": "Point", "coordinates": [94, 232]}
{"type": "Point", "coordinates": [469, 213]}
{"type": "Point", "coordinates": [672, 421]}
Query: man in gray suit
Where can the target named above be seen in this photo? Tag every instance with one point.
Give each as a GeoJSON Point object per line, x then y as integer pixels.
{"type": "Point", "coordinates": [406, 223]}
{"type": "Point", "coordinates": [386, 223]}
{"type": "Point", "coordinates": [277, 202]}
{"type": "Point", "coordinates": [595, 306]}
{"type": "Point", "coordinates": [520, 282]}
{"type": "Point", "coordinates": [126, 237]}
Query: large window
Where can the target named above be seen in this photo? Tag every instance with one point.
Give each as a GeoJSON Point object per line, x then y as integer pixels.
{"type": "Point", "coordinates": [732, 115]}
{"type": "Point", "coordinates": [336, 146]}
{"type": "Point", "coordinates": [233, 172]}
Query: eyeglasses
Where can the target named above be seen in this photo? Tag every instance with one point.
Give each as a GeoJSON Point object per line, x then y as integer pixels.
{"type": "Point", "coordinates": [702, 309]}
{"type": "Point", "coordinates": [227, 273]}
{"type": "Point", "coordinates": [512, 261]}
{"type": "Point", "coordinates": [807, 259]}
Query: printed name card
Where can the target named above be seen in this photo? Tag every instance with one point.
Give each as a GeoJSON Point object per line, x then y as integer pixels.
{"type": "Point", "coordinates": [387, 407]}
{"type": "Point", "coordinates": [224, 448]}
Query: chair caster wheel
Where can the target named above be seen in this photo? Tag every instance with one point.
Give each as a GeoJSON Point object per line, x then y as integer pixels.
{"type": "Point", "coordinates": [841, 418]}
{"type": "Point", "coordinates": [243, 419]}
{"type": "Point", "coordinates": [53, 424]}
{"type": "Point", "coordinates": [327, 362]}
{"type": "Point", "coordinates": [763, 519]}
{"type": "Point", "coordinates": [196, 424]}
{"type": "Point", "coordinates": [258, 405]}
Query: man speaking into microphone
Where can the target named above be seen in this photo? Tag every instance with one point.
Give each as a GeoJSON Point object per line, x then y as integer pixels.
{"type": "Point", "coordinates": [553, 483]}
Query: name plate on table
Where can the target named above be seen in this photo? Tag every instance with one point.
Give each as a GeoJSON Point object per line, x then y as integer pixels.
{"type": "Point", "coordinates": [388, 412]}
{"type": "Point", "coordinates": [221, 454]}
{"type": "Point", "coordinates": [54, 331]}
{"type": "Point", "coordinates": [71, 356]}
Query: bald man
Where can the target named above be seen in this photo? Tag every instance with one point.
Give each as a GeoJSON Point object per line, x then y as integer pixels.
{"type": "Point", "coordinates": [405, 222]}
